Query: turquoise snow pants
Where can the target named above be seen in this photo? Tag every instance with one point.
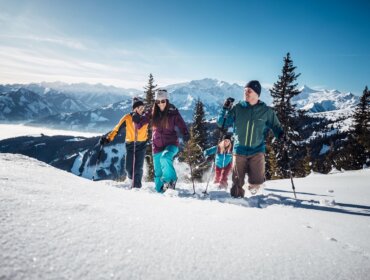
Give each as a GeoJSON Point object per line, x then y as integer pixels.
{"type": "Point", "coordinates": [164, 171]}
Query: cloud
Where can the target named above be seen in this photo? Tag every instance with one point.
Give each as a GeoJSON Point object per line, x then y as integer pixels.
{"type": "Point", "coordinates": [66, 42]}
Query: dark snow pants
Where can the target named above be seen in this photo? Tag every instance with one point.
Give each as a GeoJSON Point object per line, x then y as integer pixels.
{"type": "Point", "coordinates": [140, 149]}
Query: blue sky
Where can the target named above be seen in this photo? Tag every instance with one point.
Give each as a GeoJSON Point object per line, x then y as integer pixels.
{"type": "Point", "coordinates": [120, 42]}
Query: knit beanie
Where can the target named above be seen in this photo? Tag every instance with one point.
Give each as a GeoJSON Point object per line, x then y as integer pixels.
{"type": "Point", "coordinates": [255, 85]}
{"type": "Point", "coordinates": [136, 102]}
{"type": "Point", "coordinates": [161, 94]}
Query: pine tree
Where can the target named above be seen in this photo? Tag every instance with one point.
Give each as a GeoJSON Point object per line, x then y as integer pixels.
{"type": "Point", "coordinates": [362, 120]}
{"type": "Point", "coordinates": [356, 152]}
{"type": "Point", "coordinates": [198, 127]}
{"type": "Point", "coordinates": [282, 92]}
{"type": "Point", "coordinates": [193, 154]}
{"type": "Point", "coordinates": [150, 98]}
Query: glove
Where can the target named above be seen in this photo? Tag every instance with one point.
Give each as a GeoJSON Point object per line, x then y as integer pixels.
{"type": "Point", "coordinates": [103, 140]}
{"type": "Point", "coordinates": [228, 103]}
{"type": "Point", "coordinates": [136, 118]}
{"type": "Point", "coordinates": [186, 137]}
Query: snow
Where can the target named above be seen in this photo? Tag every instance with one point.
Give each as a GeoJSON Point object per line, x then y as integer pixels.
{"type": "Point", "coordinates": [56, 225]}
{"type": "Point", "coordinates": [12, 130]}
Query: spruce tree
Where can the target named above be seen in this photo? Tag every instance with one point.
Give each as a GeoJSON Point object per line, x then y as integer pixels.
{"type": "Point", "coordinates": [198, 127]}
{"type": "Point", "coordinates": [150, 98]}
{"type": "Point", "coordinates": [356, 152]}
{"type": "Point", "coordinates": [362, 119]}
{"type": "Point", "coordinates": [193, 154]}
{"type": "Point", "coordinates": [282, 92]}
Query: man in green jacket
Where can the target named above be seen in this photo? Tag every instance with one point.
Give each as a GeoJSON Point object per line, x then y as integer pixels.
{"type": "Point", "coordinates": [251, 119]}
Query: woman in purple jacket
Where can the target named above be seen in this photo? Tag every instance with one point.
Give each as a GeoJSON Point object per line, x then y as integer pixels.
{"type": "Point", "coordinates": [166, 121]}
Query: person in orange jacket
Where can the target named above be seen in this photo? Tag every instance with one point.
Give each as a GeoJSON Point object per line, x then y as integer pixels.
{"type": "Point", "coordinates": [136, 140]}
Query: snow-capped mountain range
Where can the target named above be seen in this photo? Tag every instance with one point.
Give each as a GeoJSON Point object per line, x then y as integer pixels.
{"type": "Point", "coordinates": [323, 100]}
{"type": "Point", "coordinates": [98, 107]}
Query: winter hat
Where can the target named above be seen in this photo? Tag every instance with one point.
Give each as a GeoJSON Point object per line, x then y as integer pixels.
{"type": "Point", "coordinates": [136, 102]}
{"type": "Point", "coordinates": [255, 85]}
{"type": "Point", "coordinates": [227, 136]}
{"type": "Point", "coordinates": [161, 94]}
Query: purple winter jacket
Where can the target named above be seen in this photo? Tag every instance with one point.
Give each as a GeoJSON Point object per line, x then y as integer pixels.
{"type": "Point", "coordinates": [162, 137]}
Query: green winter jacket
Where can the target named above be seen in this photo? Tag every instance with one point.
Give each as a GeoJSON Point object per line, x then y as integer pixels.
{"type": "Point", "coordinates": [251, 125]}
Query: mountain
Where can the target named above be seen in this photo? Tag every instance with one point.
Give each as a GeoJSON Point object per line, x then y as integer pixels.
{"type": "Point", "coordinates": [101, 119]}
{"type": "Point", "coordinates": [316, 101]}
{"type": "Point", "coordinates": [86, 95]}
{"type": "Point", "coordinates": [99, 107]}
{"type": "Point", "coordinates": [211, 92]}
{"type": "Point", "coordinates": [93, 96]}
{"type": "Point", "coordinates": [24, 104]}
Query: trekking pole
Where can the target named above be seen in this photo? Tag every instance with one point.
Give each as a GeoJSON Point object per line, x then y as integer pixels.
{"type": "Point", "coordinates": [209, 177]}
{"type": "Point", "coordinates": [134, 159]}
{"type": "Point", "coordinates": [289, 168]}
{"type": "Point", "coordinates": [97, 161]}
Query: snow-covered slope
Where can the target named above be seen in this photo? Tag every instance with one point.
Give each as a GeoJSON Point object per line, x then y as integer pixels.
{"type": "Point", "coordinates": [55, 225]}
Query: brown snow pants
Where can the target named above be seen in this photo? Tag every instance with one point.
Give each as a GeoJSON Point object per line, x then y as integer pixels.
{"type": "Point", "coordinates": [253, 166]}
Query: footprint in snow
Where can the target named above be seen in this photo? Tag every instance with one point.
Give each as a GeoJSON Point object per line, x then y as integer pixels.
{"type": "Point", "coordinates": [332, 239]}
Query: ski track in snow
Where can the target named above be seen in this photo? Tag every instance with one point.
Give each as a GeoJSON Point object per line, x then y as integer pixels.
{"type": "Point", "coordinates": [54, 225]}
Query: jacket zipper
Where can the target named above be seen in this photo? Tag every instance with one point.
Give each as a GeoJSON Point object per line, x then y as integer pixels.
{"type": "Point", "coordinates": [246, 135]}
{"type": "Point", "coordinates": [250, 141]}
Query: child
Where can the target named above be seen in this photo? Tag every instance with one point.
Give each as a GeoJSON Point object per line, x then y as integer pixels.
{"type": "Point", "coordinates": [223, 160]}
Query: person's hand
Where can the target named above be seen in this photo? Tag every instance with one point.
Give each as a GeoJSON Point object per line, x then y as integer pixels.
{"type": "Point", "coordinates": [136, 118]}
{"type": "Point", "coordinates": [228, 103]}
{"type": "Point", "coordinates": [103, 140]}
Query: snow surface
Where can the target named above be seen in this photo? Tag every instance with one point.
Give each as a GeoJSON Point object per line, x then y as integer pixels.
{"type": "Point", "coordinates": [55, 225]}
{"type": "Point", "coordinates": [12, 130]}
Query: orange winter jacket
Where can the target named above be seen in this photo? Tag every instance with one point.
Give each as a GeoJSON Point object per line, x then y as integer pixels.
{"type": "Point", "coordinates": [142, 133]}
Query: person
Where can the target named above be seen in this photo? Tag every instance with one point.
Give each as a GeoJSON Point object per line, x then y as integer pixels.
{"type": "Point", "coordinates": [136, 140]}
{"type": "Point", "coordinates": [223, 160]}
{"type": "Point", "coordinates": [166, 121]}
{"type": "Point", "coordinates": [251, 120]}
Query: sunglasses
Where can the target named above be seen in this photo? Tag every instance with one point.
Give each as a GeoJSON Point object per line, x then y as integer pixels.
{"type": "Point", "coordinates": [163, 101]}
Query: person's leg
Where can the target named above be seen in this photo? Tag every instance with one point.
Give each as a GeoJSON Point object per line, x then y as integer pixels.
{"type": "Point", "coordinates": [166, 159]}
{"type": "Point", "coordinates": [157, 171]}
{"type": "Point", "coordinates": [238, 175]}
{"type": "Point", "coordinates": [139, 162]}
{"type": "Point", "coordinates": [217, 175]}
{"type": "Point", "coordinates": [129, 159]}
{"type": "Point", "coordinates": [224, 174]}
{"type": "Point", "coordinates": [256, 172]}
